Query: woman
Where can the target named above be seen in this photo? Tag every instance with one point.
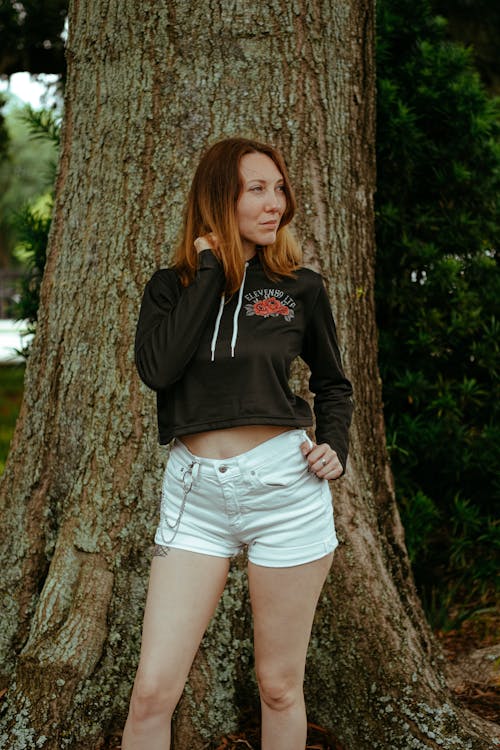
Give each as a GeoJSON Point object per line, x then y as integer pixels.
{"type": "Point", "coordinates": [216, 336]}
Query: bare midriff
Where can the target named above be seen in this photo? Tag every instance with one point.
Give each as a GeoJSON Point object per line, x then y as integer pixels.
{"type": "Point", "coordinates": [230, 441]}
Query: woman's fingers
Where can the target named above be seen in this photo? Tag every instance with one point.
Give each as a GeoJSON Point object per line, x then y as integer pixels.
{"type": "Point", "coordinates": [323, 461]}
{"type": "Point", "coordinates": [207, 241]}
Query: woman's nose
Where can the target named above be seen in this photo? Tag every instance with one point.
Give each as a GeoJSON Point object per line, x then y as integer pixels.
{"type": "Point", "coordinates": [272, 202]}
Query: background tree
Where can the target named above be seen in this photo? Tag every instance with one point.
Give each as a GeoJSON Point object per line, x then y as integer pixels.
{"type": "Point", "coordinates": [149, 85]}
{"type": "Point", "coordinates": [438, 292]}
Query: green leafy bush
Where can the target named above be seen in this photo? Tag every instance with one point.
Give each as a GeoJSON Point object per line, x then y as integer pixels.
{"type": "Point", "coordinates": [437, 292]}
{"type": "Point", "coordinates": [32, 231]}
{"type": "Point", "coordinates": [27, 168]}
{"type": "Point", "coordinates": [11, 391]}
{"type": "Point", "coordinates": [32, 223]}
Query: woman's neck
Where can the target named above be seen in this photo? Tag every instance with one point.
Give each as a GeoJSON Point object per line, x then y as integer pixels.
{"type": "Point", "coordinates": [249, 248]}
{"type": "Point", "coordinates": [249, 252]}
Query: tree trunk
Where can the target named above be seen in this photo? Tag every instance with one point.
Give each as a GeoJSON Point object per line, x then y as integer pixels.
{"type": "Point", "coordinates": [149, 85]}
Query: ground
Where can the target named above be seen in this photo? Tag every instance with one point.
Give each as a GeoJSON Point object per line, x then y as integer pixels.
{"type": "Point", "coordinates": [473, 652]}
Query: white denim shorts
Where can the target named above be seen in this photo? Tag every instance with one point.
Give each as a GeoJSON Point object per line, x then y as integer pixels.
{"type": "Point", "coordinates": [264, 499]}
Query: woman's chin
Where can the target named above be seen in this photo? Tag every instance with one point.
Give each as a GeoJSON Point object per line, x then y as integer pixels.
{"type": "Point", "coordinates": [268, 238]}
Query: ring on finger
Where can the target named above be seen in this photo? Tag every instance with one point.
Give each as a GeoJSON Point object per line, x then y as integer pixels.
{"type": "Point", "coordinates": [323, 461]}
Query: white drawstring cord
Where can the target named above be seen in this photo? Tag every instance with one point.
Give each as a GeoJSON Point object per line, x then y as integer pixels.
{"type": "Point", "coordinates": [235, 318]}
{"type": "Point", "coordinates": [217, 324]}
{"type": "Point", "coordinates": [237, 312]}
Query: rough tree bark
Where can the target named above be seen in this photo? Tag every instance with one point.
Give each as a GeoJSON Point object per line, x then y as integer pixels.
{"type": "Point", "coordinates": [149, 85]}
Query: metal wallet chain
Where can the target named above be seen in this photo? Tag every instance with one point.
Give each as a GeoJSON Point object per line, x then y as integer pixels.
{"type": "Point", "coordinates": [188, 478]}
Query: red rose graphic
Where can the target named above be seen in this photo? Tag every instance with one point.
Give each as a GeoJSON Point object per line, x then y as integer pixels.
{"type": "Point", "coordinates": [260, 308]}
{"type": "Point", "coordinates": [273, 305]}
{"type": "Point", "coordinates": [269, 306]}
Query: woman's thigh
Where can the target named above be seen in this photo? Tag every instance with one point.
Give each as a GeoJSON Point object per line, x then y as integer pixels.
{"type": "Point", "coordinates": [284, 601]}
{"type": "Point", "coordinates": [184, 589]}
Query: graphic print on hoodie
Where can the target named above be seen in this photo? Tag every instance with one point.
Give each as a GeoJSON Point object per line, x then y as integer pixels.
{"type": "Point", "coordinates": [266, 302]}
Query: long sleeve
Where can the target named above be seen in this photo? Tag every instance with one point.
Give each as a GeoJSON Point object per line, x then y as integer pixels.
{"type": "Point", "coordinates": [172, 320]}
{"type": "Point", "coordinates": [333, 404]}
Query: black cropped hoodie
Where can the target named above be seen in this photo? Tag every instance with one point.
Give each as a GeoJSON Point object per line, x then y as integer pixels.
{"type": "Point", "coordinates": [216, 364]}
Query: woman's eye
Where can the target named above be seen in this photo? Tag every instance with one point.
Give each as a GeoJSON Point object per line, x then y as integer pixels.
{"type": "Point", "coordinates": [281, 188]}
{"type": "Point", "coordinates": [256, 189]}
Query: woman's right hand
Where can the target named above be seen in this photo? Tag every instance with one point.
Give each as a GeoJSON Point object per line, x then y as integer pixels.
{"type": "Point", "coordinates": [208, 241]}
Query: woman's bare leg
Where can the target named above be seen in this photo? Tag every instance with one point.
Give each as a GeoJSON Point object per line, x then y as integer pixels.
{"type": "Point", "coordinates": [283, 602]}
{"type": "Point", "coordinates": [184, 589]}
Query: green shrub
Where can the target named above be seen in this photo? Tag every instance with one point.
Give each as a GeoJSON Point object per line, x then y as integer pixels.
{"type": "Point", "coordinates": [32, 224]}
{"type": "Point", "coordinates": [437, 291]}
{"type": "Point", "coordinates": [11, 390]}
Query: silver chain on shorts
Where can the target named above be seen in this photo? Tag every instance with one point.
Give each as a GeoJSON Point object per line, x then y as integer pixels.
{"type": "Point", "coordinates": [188, 478]}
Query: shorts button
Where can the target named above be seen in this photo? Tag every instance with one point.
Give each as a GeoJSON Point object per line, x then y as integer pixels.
{"type": "Point", "coordinates": [223, 468]}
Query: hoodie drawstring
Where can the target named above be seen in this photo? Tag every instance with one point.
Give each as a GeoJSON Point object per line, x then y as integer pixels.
{"type": "Point", "coordinates": [235, 318]}
{"type": "Point", "coordinates": [217, 324]}
{"type": "Point", "coordinates": [237, 312]}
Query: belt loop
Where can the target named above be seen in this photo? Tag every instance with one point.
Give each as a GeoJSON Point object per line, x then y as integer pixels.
{"type": "Point", "coordinates": [310, 442]}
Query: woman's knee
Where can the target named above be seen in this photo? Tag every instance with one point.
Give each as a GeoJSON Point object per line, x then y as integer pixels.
{"type": "Point", "coordinates": [154, 695]}
{"type": "Point", "coordinates": [279, 692]}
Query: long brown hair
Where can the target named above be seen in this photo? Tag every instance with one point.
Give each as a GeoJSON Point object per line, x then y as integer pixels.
{"type": "Point", "coordinates": [211, 207]}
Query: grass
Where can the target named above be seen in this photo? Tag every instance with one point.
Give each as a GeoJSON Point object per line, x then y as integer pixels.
{"type": "Point", "coordinates": [11, 394]}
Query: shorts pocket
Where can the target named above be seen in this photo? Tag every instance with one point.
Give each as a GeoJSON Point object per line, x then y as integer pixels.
{"type": "Point", "coordinates": [282, 471]}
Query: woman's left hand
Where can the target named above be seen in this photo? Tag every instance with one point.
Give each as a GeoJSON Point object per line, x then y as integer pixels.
{"type": "Point", "coordinates": [323, 461]}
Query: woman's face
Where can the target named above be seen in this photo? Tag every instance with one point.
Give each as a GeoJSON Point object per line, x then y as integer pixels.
{"type": "Point", "coordinates": [261, 203]}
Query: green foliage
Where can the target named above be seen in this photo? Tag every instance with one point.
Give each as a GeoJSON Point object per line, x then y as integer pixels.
{"type": "Point", "coordinates": [421, 516]}
{"type": "Point", "coordinates": [438, 290]}
{"type": "Point", "coordinates": [33, 229]}
{"type": "Point", "coordinates": [27, 170]}
{"type": "Point", "coordinates": [32, 223]}
{"type": "Point", "coordinates": [43, 125]}
{"type": "Point", "coordinates": [476, 23]}
{"type": "Point", "coordinates": [11, 389]}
